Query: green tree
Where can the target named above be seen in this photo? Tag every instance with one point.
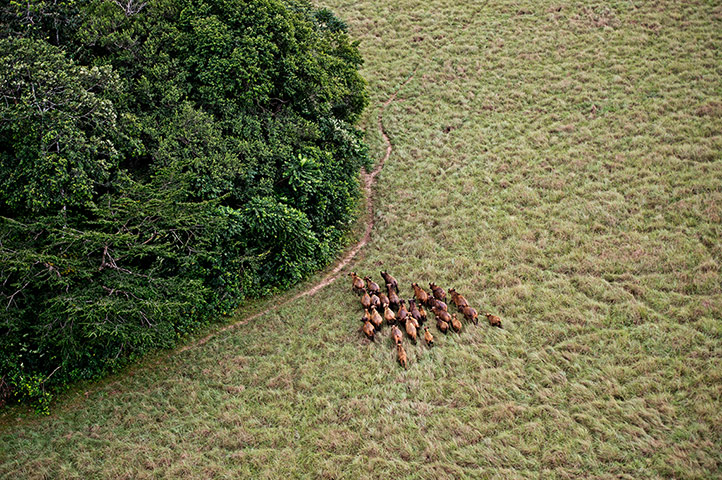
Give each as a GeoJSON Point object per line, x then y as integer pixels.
{"type": "Point", "coordinates": [57, 130]}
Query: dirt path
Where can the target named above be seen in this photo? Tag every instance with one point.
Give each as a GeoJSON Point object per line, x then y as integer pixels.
{"type": "Point", "coordinates": [368, 180]}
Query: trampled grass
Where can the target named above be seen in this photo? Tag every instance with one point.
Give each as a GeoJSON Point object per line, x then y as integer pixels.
{"type": "Point", "coordinates": [558, 163]}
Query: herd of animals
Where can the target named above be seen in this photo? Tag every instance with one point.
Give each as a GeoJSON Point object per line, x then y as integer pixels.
{"type": "Point", "coordinates": [413, 318]}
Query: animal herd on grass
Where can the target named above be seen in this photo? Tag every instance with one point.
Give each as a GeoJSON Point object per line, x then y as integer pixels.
{"type": "Point", "coordinates": [413, 318]}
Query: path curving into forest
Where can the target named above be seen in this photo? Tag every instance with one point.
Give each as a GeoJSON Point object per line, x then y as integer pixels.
{"type": "Point", "coordinates": [368, 180]}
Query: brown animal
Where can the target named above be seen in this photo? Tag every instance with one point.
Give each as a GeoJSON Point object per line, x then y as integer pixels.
{"type": "Point", "coordinates": [357, 283]}
{"type": "Point", "coordinates": [384, 299]}
{"type": "Point", "coordinates": [455, 324]}
{"type": "Point", "coordinates": [369, 330]}
{"type": "Point", "coordinates": [402, 313]}
{"type": "Point", "coordinates": [494, 321]}
{"type": "Point", "coordinates": [403, 359]}
{"type": "Point", "coordinates": [394, 299]}
{"type": "Point", "coordinates": [375, 301]}
{"type": "Point", "coordinates": [470, 314]}
{"type": "Point", "coordinates": [442, 314]}
{"type": "Point", "coordinates": [422, 312]}
{"type": "Point", "coordinates": [366, 300]}
{"type": "Point", "coordinates": [396, 334]}
{"type": "Point", "coordinates": [389, 316]}
{"type": "Point", "coordinates": [438, 292]}
{"type": "Point", "coordinates": [428, 337]}
{"type": "Point", "coordinates": [367, 315]}
{"type": "Point", "coordinates": [414, 322]}
{"type": "Point", "coordinates": [458, 299]}
{"type": "Point", "coordinates": [372, 286]}
{"type": "Point", "coordinates": [442, 325]}
{"type": "Point", "coordinates": [420, 293]}
{"type": "Point", "coordinates": [415, 312]}
{"type": "Point", "coordinates": [390, 281]}
{"type": "Point", "coordinates": [376, 318]}
{"type": "Point", "coordinates": [438, 304]}
{"type": "Point", "coordinates": [410, 329]}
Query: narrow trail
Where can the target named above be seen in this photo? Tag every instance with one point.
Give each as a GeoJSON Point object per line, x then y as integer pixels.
{"type": "Point", "coordinates": [368, 180]}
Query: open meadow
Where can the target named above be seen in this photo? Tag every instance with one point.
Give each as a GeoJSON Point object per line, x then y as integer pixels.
{"type": "Point", "coordinates": [560, 164]}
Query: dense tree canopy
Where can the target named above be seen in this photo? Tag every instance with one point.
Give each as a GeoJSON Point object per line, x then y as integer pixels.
{"type": "Point", "coordinates": [159, 162]}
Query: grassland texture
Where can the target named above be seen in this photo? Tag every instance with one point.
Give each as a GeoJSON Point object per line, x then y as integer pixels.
{"type": "Point", "coordinates": [558, 163]}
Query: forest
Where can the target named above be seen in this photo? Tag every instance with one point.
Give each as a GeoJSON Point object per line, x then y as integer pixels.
{"type": "Point", "coordinates": [160, 162]}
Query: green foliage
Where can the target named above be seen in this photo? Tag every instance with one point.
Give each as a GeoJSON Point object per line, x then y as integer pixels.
{"type": "Point", "coordinates": [30, 389]}
{"type": "Point", "coordinates": [132, 275]}
{"type": "Point", "coordinates": [161, 162]}
{"type": "Point", "coordinates": [56, 131]}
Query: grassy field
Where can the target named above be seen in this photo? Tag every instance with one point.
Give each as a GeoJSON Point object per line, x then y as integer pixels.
{"type": "Point", "coordinates": [558, 163]}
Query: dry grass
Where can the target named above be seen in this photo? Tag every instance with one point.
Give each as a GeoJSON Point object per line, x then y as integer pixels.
{"type": "Point", "coordinates": [559, 164]}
